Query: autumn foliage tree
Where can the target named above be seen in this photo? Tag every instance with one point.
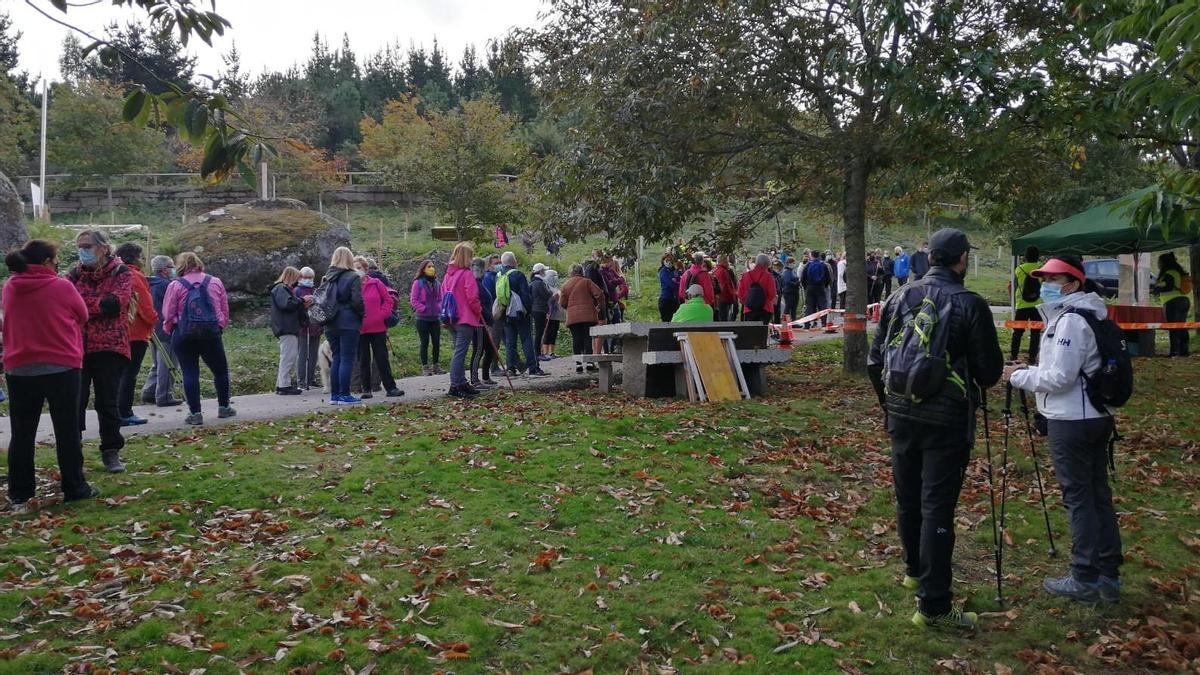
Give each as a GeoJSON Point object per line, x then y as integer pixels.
{"type": "Point", "coordinates": [685, 106]}
{"type": "Point", "coordinates": [452, 158]}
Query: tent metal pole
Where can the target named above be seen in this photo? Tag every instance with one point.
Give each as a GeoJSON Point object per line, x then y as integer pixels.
{"type": "Point", "coordinates": [1012, 288]}
{"type": "Point", "coordinates": [1137, 259]}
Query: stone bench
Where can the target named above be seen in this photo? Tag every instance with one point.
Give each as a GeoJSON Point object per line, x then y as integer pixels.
{"type": "Point", "coordinates": [753, 361]}
{"type": "Point", "coordinates": [604, 362]}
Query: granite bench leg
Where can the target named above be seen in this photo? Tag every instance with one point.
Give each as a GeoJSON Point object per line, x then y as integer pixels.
{"type": "Point", "coordinates": [756, 378]}
{"type": "Point", "coordinates": [606, 376]}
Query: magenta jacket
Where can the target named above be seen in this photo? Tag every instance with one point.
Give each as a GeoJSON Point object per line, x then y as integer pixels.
{"type": "Point", "coordinates": [461, 283]}
{"type": "Point", "coordinates": [176, 294]}
{"type": "Point", "coordinates": [426, 299]}
{"type": "Point", "coordinates": [377, 306]}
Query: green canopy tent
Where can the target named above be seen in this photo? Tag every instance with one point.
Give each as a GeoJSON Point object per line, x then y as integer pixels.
{"type": "Point", "coordinates": [1104, 230]}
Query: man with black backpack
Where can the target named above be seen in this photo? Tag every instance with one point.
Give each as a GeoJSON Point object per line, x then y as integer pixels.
{"type": "Point", "coordinates": [757, 291]}
{"type": "Point", "coordinates": [1027, 290]}
{"type": "Point", "coordinates": [1084, 369]}
{"type": "Point", "coordinates": [932, 357]}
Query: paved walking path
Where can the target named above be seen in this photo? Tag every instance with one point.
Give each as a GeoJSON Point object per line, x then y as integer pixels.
{"type": "Point", "coordinates": [265, 407]}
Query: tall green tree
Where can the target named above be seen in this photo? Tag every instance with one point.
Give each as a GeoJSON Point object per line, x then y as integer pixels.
{"type": "Point", "coordinates": [88, 135]}
{"type": "Point", "coordinates": [450, 157]}
{"type": "Point", "coordinates": [758, 103]}
{"type": "Point", "coordinates": [144, 57]}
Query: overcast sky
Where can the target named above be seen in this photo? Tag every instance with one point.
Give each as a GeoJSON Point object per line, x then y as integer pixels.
{"type": "Point", "coordinates": [274, 34]}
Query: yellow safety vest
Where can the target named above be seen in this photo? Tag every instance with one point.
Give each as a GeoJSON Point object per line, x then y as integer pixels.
{"type": "Point", "coordinates": [1020, 274]}
{"type": "Point", "coordinates": [1167, 296]}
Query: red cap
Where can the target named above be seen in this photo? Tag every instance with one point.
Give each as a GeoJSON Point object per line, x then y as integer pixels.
{"type": "Point", "coordinates": [1056, 266]}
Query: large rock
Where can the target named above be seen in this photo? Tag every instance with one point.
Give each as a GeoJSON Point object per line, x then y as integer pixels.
{"type": "Point", "coordinates": [248, 245]}
{"type": "Point", "coordinates": [12, 216]}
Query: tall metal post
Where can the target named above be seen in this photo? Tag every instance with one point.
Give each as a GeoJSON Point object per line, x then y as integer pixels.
{"type": "Point", "coordinates": [42, 174]}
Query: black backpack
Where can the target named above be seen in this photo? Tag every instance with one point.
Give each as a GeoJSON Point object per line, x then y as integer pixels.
{"type": "Point", "coordinates": [1031, 288]}
{"type": "Point", "coordinates": [756, 297]}
{"type": "Point", "coordinates": [916, 363]}
{"type": "Point", "coordinates": [1112, 385]}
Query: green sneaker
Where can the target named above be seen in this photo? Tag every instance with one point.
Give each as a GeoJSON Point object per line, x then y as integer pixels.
{"type": "Point", "coordinates": [955, 619]}
{"type": "Point", "coordinates": [911, 583]}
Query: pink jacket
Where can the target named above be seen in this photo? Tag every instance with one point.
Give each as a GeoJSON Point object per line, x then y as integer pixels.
{"type": "Point", "coordinates": [426, 299]}
{"type": "Point", "coordinates": [176, 294]}
{"type": "Point", "coordinates": [377, 305]}
{"type": "Point", "coordinates": [461, 283]}
{"type": "Point", "coordinates": [45, 320]}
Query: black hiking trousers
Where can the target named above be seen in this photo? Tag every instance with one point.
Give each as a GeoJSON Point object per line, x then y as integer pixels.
{"type": "Point", "coordinates": [928, 466]}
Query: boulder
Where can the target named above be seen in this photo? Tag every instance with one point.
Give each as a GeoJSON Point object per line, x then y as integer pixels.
{"type": "Point", "coordinates": [248, 245]}
{"type": "Point", "coordinates": [12, 216]}
{"type": "Point", "coordinates": [403, 273]}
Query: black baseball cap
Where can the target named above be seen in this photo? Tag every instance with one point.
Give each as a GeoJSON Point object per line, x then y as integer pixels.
{"type": "Point", "coordinates": [950, 241]}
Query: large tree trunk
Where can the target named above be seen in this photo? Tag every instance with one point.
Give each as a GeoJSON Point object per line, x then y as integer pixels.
{"type": "Point", "coordinates": [1194, 267]}
{"type": "Point", "coordinates": [855, 173]}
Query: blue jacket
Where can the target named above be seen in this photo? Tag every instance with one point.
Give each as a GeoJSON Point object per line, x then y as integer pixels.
{"type": "Point", "coordinates": [791, 281]}
{"type": "Point", "coordinates": [668, 283]}
{"type": "Point", "coordinates": [489, 284]}
{"type": "Point", "coordinates": [900, 266]}
{"type": "Point", "coordinates": [486, 298]}
{"type": "Point", "coordinates": [158, 291]}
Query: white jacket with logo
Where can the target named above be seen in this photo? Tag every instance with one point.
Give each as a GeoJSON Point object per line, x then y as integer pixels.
{"type": "Point", "coordinates": [1067, 351]}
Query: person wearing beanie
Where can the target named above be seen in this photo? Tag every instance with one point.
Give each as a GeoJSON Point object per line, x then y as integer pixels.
{"type": "Point", "coordinates": [43, 354]}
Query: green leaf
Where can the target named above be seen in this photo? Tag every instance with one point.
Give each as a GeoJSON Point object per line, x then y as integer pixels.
{"type": "Point", "coordinates": [136, 105]}
{"type": "Point", "coordinates": [248, 175]}
{"type": "Point", "coordinates": [196, 120]}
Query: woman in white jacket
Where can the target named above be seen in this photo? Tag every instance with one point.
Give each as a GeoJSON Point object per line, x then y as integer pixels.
{"type": "Point", "coordinates": [1078, 432]}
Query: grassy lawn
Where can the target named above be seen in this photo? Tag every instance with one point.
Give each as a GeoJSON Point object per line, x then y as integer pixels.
{"type": "Point", "coordinates": [573, 531]}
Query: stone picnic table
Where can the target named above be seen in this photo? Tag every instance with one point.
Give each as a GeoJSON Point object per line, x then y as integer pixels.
{"type": "Point", "coordinates": [652, 363]}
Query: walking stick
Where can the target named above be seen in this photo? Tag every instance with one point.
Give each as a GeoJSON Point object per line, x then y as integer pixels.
{"type": "Point", "coordinates": [1038, 472]}
{"type": "Point", "coordinates": [496, 353]}
{"type": "Point", "coordinates": [996, 542]}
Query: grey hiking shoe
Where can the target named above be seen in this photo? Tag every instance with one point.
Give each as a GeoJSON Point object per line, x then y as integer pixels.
{"type": "Point", "coordinates": [1109, 589]}
{"type": "Point", "coordinates": [112, 461]}
{"type": "Point", "coordinates": [955, 619]}
{"type": "Point", "coordinates": [1070, 587]}
{"type": "Point", "coordinates": [194, 419]}
{"type": "Point", "coordinates": [225, 411]}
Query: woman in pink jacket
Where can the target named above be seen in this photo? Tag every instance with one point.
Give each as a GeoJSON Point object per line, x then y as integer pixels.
{"type": "Point", "coordinates": [378, 304]}
{"type": "Point", "coordinates": [460, 283]}
{"type": "Point", "coordinates": [43, 354]}
{"type": "Point", "coordinates": [195, 321]}
{"type": "Point", "coordinates": [426, 300]}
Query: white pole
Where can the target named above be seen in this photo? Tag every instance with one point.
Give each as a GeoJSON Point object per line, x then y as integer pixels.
{"type": "Point", "coordinates": [42, 174]}
{"type": "Point", "coordinates": [262, 177]}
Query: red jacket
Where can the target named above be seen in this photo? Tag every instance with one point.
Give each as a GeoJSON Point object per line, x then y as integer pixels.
{"type": "Point", "coordinates": [44, 320]}
{"type": "Point", "coordinates": [725, 279]}
{"type": "Point", "coordinates": [104, 290]}
{"type": "Point", "coordinates": [377, 306]}
{"type": "Point", "coordinates": [696, 274]}
{"type": "Point", "coordinates": [763, 278]}
{"type": "Point", "coordinates": [146, 317]}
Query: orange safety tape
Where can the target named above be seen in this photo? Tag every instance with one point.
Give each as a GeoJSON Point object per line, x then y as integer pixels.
{"type": "Point", "coordinates": [1038, 325]}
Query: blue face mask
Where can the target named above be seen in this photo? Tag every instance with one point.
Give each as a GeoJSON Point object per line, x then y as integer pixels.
{"type": "Point", "coordinates": [88, 257]}
{"type": "Point", "coordinates": [1051, 292]}
{"type": "Point", "coordinates": [172, 274]}
{"type": "Point", "coordinates": [307, 283]}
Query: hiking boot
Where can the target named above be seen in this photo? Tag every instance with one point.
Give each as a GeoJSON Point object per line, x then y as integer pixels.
{"type": "Point", "coordinates": [538, 373]}
{"type": "Point", "coordinates": [911, 583]}
{"type": "Point", "coordinates": [578, 370]}
{"type": "Point", "coordinates": [955, 619]}
{"type": "Point", "coordinates": [133, 421]}
{"type": "Point", "coordinates": [20, 507]}
{"type": "Point", "coordinates": [1109, 589]}
{"type": "Point", "coordinates": [224, 411]}
{"type": "Point", "coordinates": [194, 419]}
{"type": "Point", "coordinates": [426, 370]}
{"type": "Point", "coordinates": [394, 392]}
{"type": "Point", "coordinates": [112, 461]}
{"type": "Point", "coordinates": [437, 370]}
{"type": "Point", "coordinates": [366, 395]}
{"type": "Point", "coordinates": [1070, 587]}
{"type": "Point", "coordinates": [462, 392]}
{"type": "Point", "coordinates": [89, 493]}
{"type": "Point", "coordinates": [170, 403]}
{"type": "Point", "coordinates": [287, 391]}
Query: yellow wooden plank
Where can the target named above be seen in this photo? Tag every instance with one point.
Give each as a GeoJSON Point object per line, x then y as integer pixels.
{"type": "Point", "coordinates": [717, 375]}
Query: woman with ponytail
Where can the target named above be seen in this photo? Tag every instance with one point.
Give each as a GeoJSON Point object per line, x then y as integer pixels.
{"type": "Point", "coordinates": [43, 354]}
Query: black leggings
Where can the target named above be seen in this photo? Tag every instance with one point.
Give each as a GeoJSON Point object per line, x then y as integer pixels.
{"type": "Point", "coordinates": [429, 330]}
{"type": "Point", "coordinates": [667, 308]}
{"type": "Point", "coordinates": [581, 339]}
{"type": "Point", "coordinates": [482, 355]}
{"type": "Point", "coordinates": [374, 342]}
{"type": "Point", "coordinates": [539, 329]}
{"type": "Point", "coordinates": [1176, 310]}
{"type": "Point", "coordinates": [137, 352]}
{"type": "Point", "coordinates": [1035, 335]}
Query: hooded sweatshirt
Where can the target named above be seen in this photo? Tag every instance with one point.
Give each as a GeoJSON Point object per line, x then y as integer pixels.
{"type": "Point", "coordinates": [377, 306]}
{"type": "Point", "coordinates": [1068, 350]}
{"type": "Point", "coordinates": [460, 282]}
{"type": "Point", "coordinates": [45, 320]}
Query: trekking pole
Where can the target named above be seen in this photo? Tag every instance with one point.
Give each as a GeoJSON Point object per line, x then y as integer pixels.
{"type": "Point", "coordinates": [1007, 414]}
{"type": "Point", "coordinates": [996, 543]}
{"type": "Point", "coordinates": [1037, 472]}
{"type": "Point", "coordinates": [496, 353]}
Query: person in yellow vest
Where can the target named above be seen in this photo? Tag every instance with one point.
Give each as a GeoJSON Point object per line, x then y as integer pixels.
{"type": "Point", "coordinates": [1027, 290]}
{"type": "Point", "coordinates": [1173, 288]}
{"type": "Point", "coordinates": [694, 310]}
